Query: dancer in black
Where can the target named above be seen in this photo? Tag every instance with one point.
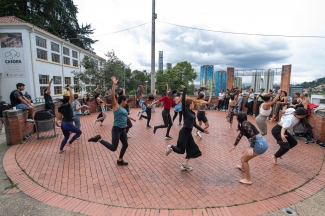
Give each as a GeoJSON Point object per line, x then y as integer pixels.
{"type": "Point", "coordinates": [168, 103]}
{"type": "Point", "coordinates": [148, 103]}
{"type": "Point", "coordinates": [185, 140]}
{"type": "Point", "coordinates": [118, 130]}
{"type": "Point", "coordinates": [290, 118]}
{"type": "Point", "coordinates": [66, 114]}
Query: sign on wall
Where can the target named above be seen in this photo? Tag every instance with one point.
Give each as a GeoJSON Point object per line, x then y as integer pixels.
{"type": "Point", "coordinates": [12, 52]}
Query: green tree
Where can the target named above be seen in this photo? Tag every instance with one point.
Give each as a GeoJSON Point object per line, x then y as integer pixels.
{"type": "Point", "coordinates": [58, 17]}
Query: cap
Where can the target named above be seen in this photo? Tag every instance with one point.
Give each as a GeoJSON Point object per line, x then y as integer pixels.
{"type": "Point", "coordinates": [301, 111]}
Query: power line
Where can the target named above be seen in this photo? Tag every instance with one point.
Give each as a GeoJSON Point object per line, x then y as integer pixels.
{"type": "Point", "coordinates": [122, 30]}
{"type": "Point", "coordinates": [239, 33]}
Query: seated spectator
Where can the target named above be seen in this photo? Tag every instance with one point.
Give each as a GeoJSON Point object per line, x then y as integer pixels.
{"type": "Point", "coordinates": [3, 106]}
{"type": "Point", "coordinates": [28, 97]}
{"type": "Point", "coordinates": [18, 100]}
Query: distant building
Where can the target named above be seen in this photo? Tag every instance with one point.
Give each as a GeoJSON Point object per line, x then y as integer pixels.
{"type": "Point", "coordinates": [220, 82]}
{"type": "Point", "coordinates": [160, 60]}
{"type": "Point", "coordinates": [206, 77]}
{"type": "Point", "coordinates": [268, 79]}
{"type": "Point", "coordinates": [256, 82]}
{"type": "Point", "coordinates": [169, 65]}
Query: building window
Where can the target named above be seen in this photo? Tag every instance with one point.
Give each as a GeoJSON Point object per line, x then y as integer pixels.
{"type": "Point", "coordinates": [57, 80]}
{"type": "Point", "coordinates": [57, 89]}
{"type": "Point", "coordinates": [55, 47]}
{"type": "Point", "coordinates": [55, 58]}
{"type": "Point", "coordinates": [41, 42]}
{"type": "Point", "coordinates": [75, 63]}
{"type": "Point", "coordinates": [42, 89]}
{"type": "Point", "coordinates": [66, 60]}
{"type": "Point", "coordinates": [66, 51]}
{"type": "Point", "coordinates": [75, 80]}
{"type": "Point", "coordinates": [76, 89]}
{"type": "Point", "coordinates": [74, 54]}
{"type": "Point", "coordinates": [67, 80]}
{"type": "Point", "coordinates": [43, 79]}
{"type": "Point", "coordinates": [41, 54]}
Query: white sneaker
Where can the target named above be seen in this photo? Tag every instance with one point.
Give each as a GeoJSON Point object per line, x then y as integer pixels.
{"type": "Point", "coordinates": [199, 134]}
{"type": "Point", "coordinates": [168, 138]}
{"type": "Point", "coordinates": [186, 168]}
{"type": "Point", "coordinates": [168, 150]}
{"type": "Point", "coordinates": [30, 120]}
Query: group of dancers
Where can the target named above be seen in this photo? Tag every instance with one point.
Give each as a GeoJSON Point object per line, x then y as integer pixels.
{"type": "Point", "coordinates": [184, 106]}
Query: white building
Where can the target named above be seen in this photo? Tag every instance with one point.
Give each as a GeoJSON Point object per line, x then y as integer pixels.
{"type": "Point", "coordinates": [33, 56]}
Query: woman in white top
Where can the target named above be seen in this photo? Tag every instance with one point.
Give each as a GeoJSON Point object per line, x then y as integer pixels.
{"type": "Point", "coordinates": [290, 118]}
{"type": "Point", "coordinates": [221, 100]}
{"type": "Point", "coordinates": [265, 111]}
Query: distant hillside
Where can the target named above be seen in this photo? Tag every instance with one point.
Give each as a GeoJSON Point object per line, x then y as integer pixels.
{"type": "Point", "coordinates": [312, 84]}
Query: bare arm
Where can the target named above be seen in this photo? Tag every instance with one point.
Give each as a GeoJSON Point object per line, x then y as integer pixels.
{"type": "Point", "coordinates": [114, 102]}
{"type": "Point", "coordinates": [49, 87]}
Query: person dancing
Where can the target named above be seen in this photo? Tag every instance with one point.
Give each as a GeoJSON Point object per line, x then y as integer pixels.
{"type": "Point", "coordinates": [290, 118]}
{"type": "Point", "coordinates": [102, 115]}
{"type": "Point", "coordinates": [168, 103]}
{"type": "Point", "coordinates": [127, 107]}
{"type": "Point", "coordinates": [232, 109]}
{"type": "Point", "coordinates": [265, 111]}
{"type": "Point", "coordinates": [85, 102]}
{"type": "Point", "coordinates": [185, 140]}
{"type": "Point", "coordinates": [201, 116]}
{"type": "Point", "coordinates": [118, 130]}
{"type": "Point", "coordinates": [65, 113]}
{"type": "Point", "coordinates": [178, 109]}
{"type": "Point", "coordinates": [258, 145]}
{"type": "Point", "coordinates": [148, 103]}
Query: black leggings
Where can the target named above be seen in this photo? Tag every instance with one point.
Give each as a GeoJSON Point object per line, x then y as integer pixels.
{"type": "Point", "coordinates": [167, 121]}
{"type": "Point", "coordinates": [284, 146]}
{"type": "Point", "coordinates": [148, 117]}
{"type": "Point", "coordinates": [220, 104]}
{"type": "Point", "coordinates": [226, 103]}
{"type": "Point", "coordinates": [186, 142]}
{"type": "Point", "coordinates": [128, 125]}
{"type": "Point", "coordinates": [117, 134]}
{"type": "Point", "coordinates": [180, 116]}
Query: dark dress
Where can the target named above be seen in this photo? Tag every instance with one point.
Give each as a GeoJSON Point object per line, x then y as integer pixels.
{"type": "Point", "coordinates": [185, 139]}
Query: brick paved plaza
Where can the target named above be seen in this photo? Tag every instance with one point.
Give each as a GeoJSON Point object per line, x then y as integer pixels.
{"type": "Point", "coordinates": [86, 178]}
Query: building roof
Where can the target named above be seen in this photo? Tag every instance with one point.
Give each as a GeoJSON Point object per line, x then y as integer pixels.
{"type": "Point", "coordinates": [13, 19]}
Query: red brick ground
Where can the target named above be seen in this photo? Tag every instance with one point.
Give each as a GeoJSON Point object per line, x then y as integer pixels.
{"type": "Point", "coordinates": [86, 178]}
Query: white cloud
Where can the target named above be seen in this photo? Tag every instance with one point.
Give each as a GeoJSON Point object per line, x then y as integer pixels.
{"type": "Point", "coordinates": [306, 55]}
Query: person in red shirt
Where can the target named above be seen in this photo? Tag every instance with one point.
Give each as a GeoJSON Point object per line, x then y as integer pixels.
{"type": "Point", "coordinates": [168, 103]}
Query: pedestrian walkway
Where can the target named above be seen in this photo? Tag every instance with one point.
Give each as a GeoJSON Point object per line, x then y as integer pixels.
{"type": "Point", "coordinates": [86, 178]}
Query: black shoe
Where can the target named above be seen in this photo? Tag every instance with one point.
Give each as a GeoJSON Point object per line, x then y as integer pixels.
{"type": "Point", "coordinates": [122, 163]}
{"type": "Point", "coordinates": [154, 129]}
{"type": "Point", "coordinates": [88, 113]}
{"type": "Point", "coordinates": [94, 139]}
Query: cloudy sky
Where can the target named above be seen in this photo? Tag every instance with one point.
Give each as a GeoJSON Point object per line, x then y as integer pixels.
{"type": "Point", "coordinates": [276, 17]}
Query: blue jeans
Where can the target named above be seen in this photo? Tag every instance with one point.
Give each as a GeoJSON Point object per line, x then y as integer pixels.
{"type": "Point", "coordinates": [77, 120]}
{"type": "Point", "coordinates": [261, 145]}
{"type": "Point", "coordinates": [66, 127]}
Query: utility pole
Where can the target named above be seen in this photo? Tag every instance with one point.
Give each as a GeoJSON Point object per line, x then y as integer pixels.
{"type": "Point", "coordinates": [153, 73]}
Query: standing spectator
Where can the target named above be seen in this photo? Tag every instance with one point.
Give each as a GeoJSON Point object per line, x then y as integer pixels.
{"type": "Point", "coordinates": [49, 101]}
{"type": "Point", "coordinates": [250, 101]}
{"type": "Point", "coordinates": [240, 100]}
{"type": "Point", "coordinates": [221, 98]}
{"type": "Point", "coordinates": [3, 106]}
{"type": "Point", "coordinates": [77, 111]}
{"type": "Point", "coordinates": [66, 91]}
{"type": "Point", "coordinates": [227, 98]}
{"type": "Point", "coordinates": [18, 100]}
{"type": "Point", "coordinates": [259, 101]}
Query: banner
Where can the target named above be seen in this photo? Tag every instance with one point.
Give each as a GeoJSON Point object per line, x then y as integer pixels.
{"type": "Point", "coordinates": [12, 52]}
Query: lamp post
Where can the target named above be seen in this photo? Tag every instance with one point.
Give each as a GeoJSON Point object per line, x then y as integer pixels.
{"type": "Point", "coordinates": [146, 86]}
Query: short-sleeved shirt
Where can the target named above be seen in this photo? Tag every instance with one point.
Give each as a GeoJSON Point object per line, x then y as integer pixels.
{"type": "Point", "coordinates": [288, 120]}
{"type": "Point", "coordinates": [259, 98]}
{"type": "Point", "coordinates": [66, 93]}
{"type": "Point", "coordinates": [67, 112]}
{"type": "Point", "coordinates": [221, 96]}
{"type": "Point", "coordinates": [14, 97]}
{"type": "Point", "coordinates": [251, 97]}
{"type": "Point", "coordinates": [168, 103]}
{"type": "Point", "coordinates": [74, 105]}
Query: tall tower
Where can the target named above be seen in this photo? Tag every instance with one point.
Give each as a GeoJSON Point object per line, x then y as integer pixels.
{"type": "Point", "coordinates": [268, 79]}
{"type": "Point", "coordinates": [206, 77]}
{"type": "Point", "coordinates": [256, 81]}
{"type": "Point", "coordinates": [160, 60]}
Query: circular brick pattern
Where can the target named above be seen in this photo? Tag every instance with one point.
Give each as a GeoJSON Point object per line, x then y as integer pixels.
{"type": "Point", "coordinates": [152, 180]}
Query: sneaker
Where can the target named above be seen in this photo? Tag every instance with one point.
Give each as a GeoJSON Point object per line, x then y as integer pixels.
{"type": "Point", "coordinates": [199, 134]}
{"type": "Point", "coordinates": [148, 126]}
{"type": "Point", "coordinates": [186, 168]}
{"type": "Point", "coordinates": [154, 129]}
{"type": "Point", "coordinates": [122, 163]}
{"type": "Point", "coordinates": [78, 138]}
{"type": "Point", "coordinates": [94, 139]}
{"type": "Point", "coordinates": [168, 138]}
{"type": "Point", "coordinates": [30, 120]}
{"type": "Point", "coordinates": [168, 150]}
{"type": "Point", "coordinates": [88, 113]}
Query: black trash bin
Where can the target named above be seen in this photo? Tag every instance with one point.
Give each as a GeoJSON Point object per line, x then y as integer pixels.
{"type": "Point", "coordinates": [44, 121]}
